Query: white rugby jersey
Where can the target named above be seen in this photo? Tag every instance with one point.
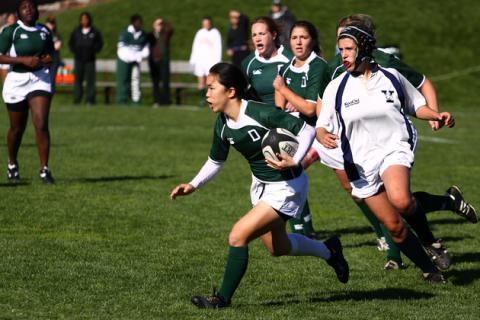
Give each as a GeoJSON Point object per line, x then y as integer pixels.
{"type": "Point", "coordinates": [370, 117]}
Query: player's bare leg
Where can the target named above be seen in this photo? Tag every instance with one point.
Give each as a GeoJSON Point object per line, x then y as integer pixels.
{"type": "Point", "coordinates": [414, 208]}
{"type": "Point", "coordinates": [18, 123]}
{"type": "Point", "coordinates": [201, 85]}
{"type": "Point", "coordinates": [40, 108]}
{"type": "Point", "coordinates": [405, 239]}
{"type": "Point", "coordinates": [394, 259]}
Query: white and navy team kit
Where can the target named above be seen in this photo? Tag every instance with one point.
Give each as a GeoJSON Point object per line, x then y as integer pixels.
{"type": "Point", "coordinates": [370, 117]}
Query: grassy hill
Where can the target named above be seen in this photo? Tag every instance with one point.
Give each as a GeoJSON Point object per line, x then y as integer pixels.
{"type": "Point", "coordinates": [436, 37]}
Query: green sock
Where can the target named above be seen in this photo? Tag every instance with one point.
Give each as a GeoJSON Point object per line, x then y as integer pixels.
{"type": "Point", "coordinates": [237, 263]}
{"type": "Point", "coordinates": [303, 224]}
{"type": "Point", "coordinates": [202, 93]}
{"type": "Point", "coordinates": [393, 252]}
{"type": "Point", "coordinates": [296, 225]}
{"type": "Point", "coordinates": [307, 220]}
{"type": "Point", "coordinates": [371, 218]}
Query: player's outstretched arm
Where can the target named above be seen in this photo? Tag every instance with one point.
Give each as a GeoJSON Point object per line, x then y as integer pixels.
{"type": "Point", "coordinates": [430, 94]}
{"type": "Point", "coordinates": [444, 118]}
{"type": "Point", "coordinates": [182, 190]}
{"type": "Point", "coordinates": [209, 170]}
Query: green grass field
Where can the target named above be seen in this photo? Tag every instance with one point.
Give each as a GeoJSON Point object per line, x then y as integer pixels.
{"type": "Point", "coordinates": [106, 242]}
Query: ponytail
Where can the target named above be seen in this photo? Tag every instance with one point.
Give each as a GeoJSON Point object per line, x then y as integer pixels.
{"type": "Point", "coordinates": [230, 76]}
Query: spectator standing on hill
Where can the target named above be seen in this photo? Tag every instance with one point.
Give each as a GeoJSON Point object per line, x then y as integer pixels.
{"type": "Point", "coordinates": [51, 24]}
{"type": "Point", "coordinates": [284, 20]}
{"type": "Point", "coordinates": [238, 36]}
{"type": "Point", "coordinates": [10, 19]}
{"type": "Point", "coordinates": [85, 42]}
{"type": "Point", "coordinates": [206, 51]}
{"type": "Point", "coordinates": [159, 60]}
{"type": "Point", "coordinates": [132, 48]}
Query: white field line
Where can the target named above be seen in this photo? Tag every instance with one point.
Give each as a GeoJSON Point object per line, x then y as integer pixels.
{"type": "Point", "coordinates": [80, 109]}
{"type": "Point", "coordinates": [118, 128]}
{"type": "Point", "coordinates": [455, 74]}
{"type": "Point", "coordinates": [437, 140]}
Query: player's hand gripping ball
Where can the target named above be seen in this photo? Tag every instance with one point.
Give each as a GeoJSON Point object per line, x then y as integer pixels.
{"type": "Point", "coordinates": [279, 141]}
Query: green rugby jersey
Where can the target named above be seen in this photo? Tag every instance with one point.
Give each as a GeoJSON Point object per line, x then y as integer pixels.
{"type": "Point", "coordinates": [385, 60]}
{"type": "Point", "coordinates": [246, 134]}
{"type": "Point", "coordinates": [21, 40]}
{"type": "Point", "coordinates": [308, 81]}
{"type": "Point", "coordinates": [261, 72]}
{"type": "Point", "coordinates": [128, 39]}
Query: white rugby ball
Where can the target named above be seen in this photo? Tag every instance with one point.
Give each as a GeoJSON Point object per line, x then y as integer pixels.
{"type": "Point", "coordinates": [279, 141]}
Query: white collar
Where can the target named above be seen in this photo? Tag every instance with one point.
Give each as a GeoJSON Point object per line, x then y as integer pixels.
{"type": "Point", "coordinates": [136, 34]}
{"type": "Point", "coordinates": [25, 27]}
{"type": "Point", "coordinates": [278, 58]}
{"type": "Point", "coordinates": [237, 124]}
{"type": "Point", "coordinates": [306, 65]}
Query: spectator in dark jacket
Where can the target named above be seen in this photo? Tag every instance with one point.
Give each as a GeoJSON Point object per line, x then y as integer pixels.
{"type": "Point", "coordinates": [238, 36]}
{"type": "Point", "coordinates": [159, 60]}
{"type": "Point", "coordinates": [284, 20]}
{"type": "Point", "coordinates": [85, 42]}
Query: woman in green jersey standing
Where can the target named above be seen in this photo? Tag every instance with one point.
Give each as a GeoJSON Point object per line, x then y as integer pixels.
{"type": "Point", "coordinates": [28, 85]}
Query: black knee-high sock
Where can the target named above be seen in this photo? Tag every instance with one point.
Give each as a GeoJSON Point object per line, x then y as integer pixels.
{"type": "Point", "coordinates": [418, 222]}
{"type": "Point", "coordinates": [412, 248]}
{"type": "Point", "coordinates": [431, 202]}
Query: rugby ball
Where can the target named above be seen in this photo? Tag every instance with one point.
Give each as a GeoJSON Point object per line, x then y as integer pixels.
{"type": "Point", "coordinates": [279, 141]}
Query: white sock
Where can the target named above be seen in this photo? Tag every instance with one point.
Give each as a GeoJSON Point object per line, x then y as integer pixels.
{"type": "Point", "coordinates": [304, 246]}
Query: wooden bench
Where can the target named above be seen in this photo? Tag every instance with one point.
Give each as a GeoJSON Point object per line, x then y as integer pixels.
{"type": "Point", "coordinates": [106, 67]}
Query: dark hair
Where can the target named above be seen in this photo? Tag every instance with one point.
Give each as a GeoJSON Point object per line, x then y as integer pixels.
{"type": "Point", "coordinates": [230, 76]}
{"type": "Point", "coordinates": [136, 17]}
{"type": "Point", "coordinates": [209, 18]}
{"type": "Point", "coordinates": [37, 13]}
{"type": "Point", "coordinates": [88, 15]}
{"type": "Point", "coordinates": [312, 31]}
{"type": "Point", "coordinates": [358, 19]}
{"type": "Point", "coordinates": [272, 27]}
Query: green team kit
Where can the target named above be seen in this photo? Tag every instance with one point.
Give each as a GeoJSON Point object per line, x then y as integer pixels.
{"type": "Point", "coordinates": [246, 134]}
{"type": "Point", "coordinates": [136, 41]}
{"type": "Point", "coordinates": [127, 38]}
{"type": "Point", "coordinates": [261, 72]}
{"type": "Point", "coordinates": [308, 81]}
{"type": "Point", "coordinates": [21, 40]}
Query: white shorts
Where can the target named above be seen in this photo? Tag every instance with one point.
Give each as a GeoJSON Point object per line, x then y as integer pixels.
{"type": "Point", "coordinates": [369, 183]}
{"type": "Point", "coordinates": [332, 158]}
{"type": "Point", "coordinates": [287, 197]}
{"type": "Point", "coordinates": [4, 66]}
{"type": "Point", "coordinates": [202, 69]}
{"type": "Point", "coordinates": [19, 84]}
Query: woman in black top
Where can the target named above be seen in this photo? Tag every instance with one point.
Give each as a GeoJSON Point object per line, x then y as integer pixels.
{"type": "Point", "coordinates": [85, 42]}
